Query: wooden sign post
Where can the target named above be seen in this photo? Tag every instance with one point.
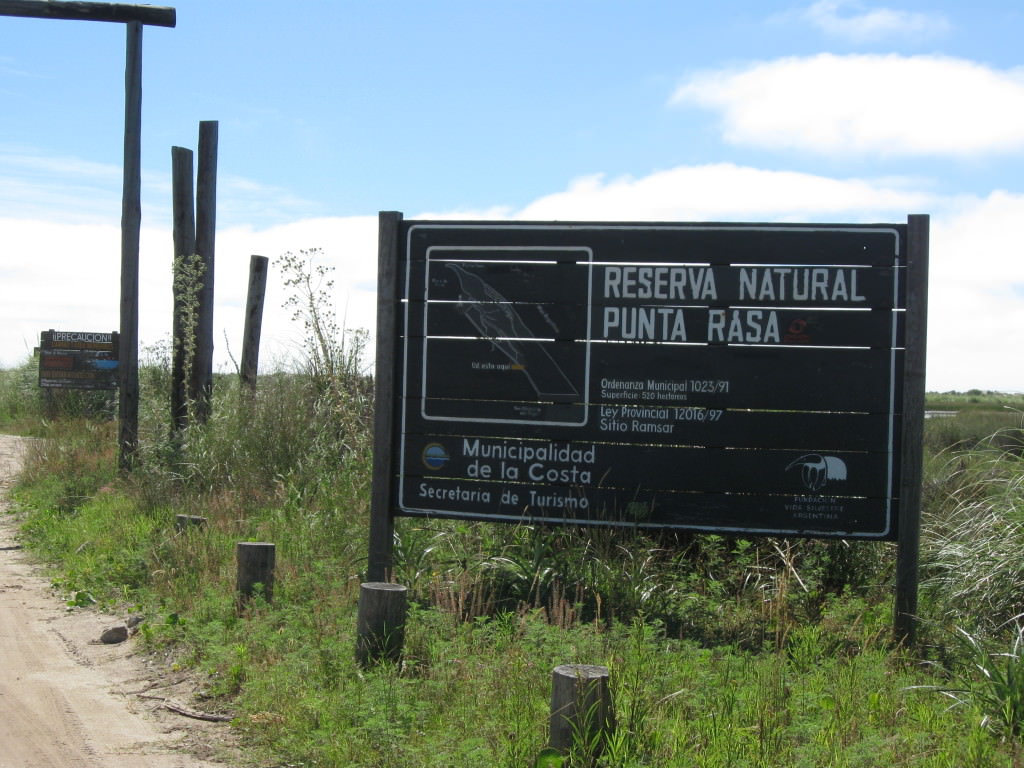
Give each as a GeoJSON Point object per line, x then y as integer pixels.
{"type": "Point", "coordinates": [78, 360]}
{"type": "Point", "coordinates": [912, 423]}
{"type": "Point", "coordinates": [744, 379]}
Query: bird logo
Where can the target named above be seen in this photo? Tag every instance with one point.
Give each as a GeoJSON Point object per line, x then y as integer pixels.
{"type": "Point", "coordinates": [816, 470]}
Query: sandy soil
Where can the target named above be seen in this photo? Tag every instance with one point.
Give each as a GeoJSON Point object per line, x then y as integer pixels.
{"type": "Point", "coordinates": [67, 700]}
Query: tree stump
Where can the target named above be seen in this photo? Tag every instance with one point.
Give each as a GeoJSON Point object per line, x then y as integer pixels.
{"type": "Point", "coordinates": [184, 522]}
{"type": "Point", "coordinates": [380, 625]}
{"type": "Point", "coordinates": [255, 566]}
{"type": "Point", "coordinates": [581, 708]}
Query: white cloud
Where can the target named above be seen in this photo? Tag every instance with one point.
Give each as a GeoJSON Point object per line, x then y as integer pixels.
{"type": "Point", "coordinates": [72, 190]}
{"type": "Point", "coordinates": [56, 275]}
{"type": "Point", "coordinates": [976, 285]}
{"type": "Point", "coordinates": [66, 274]}
{"type": "Point", "coordinates": [349, 246]}
{"type": "Point", "coordinates": [240, 199]}
{"type": "Point", "coordinates": [57, 188]}
{"type": "Point", "coordinates": [976, 294]}
{"type": "Point", "coordinates": [864, 25]}
{"type": "Point", "coordinates": [725, 191]}
{"type": "Point", "coordinates": [492, 213]}
{"type": "Point", "coordinates": [888, 105]}
{"type": "Point", "coordinates": [59, 222]}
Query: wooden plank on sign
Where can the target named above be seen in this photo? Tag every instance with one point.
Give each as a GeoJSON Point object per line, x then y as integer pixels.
{"type": "Point", "coordinates": [761, 377]}
{"type": "Point", "coordinates": [666, 323]}
{"type": "Point", "coordinates": [713, 244]}
{"type": "Point", "coordinates": [764, 514]}
{"type": "Point", "coordinates": [97, 341]}
{"type": "Point", "coordinates": [690, 426]}
{"type": "Point", "coordinates": [654, 467]}
{"type": "Point", "coordinates": [673, 284]}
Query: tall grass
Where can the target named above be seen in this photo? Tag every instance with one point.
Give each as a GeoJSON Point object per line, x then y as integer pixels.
{"type": "Point", "coordinates": [723, 651]}
{"type": "Point", "coordinates": [20, 402]}
{"type": "Point", "coordinates": [973, 536]}
{"type": "Point", "coordinates": [26, 409]}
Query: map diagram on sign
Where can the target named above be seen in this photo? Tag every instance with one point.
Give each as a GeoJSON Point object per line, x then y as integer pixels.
{"type": "Point", "coordinates": [497, 320]}
{"type": "Point", "coordinates": [489, 321]}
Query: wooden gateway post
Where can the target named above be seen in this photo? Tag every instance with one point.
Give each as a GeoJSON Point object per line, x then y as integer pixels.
{"type": "Point", "coordinates": [184, 235]}
{"type": "Point", "coordinates": [134, 17]}
{"type": "Point", "coordinates": [200, 387]}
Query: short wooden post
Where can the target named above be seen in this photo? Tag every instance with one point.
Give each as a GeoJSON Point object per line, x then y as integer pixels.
{"type": "Point", "coordinates": [380, 625]}
{"type": "Point", "coordinates": [253, 321]}
{"type": "Point", "coordinates": [184, 522]}
{"type": "Point", "coordinates": [581, 707]}
{"type": "Point", "coordinates": [255, 566]}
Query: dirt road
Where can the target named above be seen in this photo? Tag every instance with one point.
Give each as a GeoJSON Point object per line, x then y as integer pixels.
{"type": "Point", "coordinates": [68, 701]}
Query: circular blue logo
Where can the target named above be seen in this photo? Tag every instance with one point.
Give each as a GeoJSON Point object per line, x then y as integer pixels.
{"type": "Point", "coordinates": [435, 456]}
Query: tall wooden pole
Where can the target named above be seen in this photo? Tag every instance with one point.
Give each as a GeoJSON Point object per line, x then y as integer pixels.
{"type": "Point", "coordinates": [184, 248]}
{"type": "Point", "coordinates": [909, 533]}
{"type": "Point", "coordinates": [258, 268]}
{"type": "Point", "coordinates": [206, 230]}
{"type": "Point", "coordinates": [382, 508]}
{"type": "Point", "coordinates": [131, 222]}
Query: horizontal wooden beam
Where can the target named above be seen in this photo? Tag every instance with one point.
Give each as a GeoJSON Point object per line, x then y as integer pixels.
{"type": "Point", "coordinates": [154, 15]}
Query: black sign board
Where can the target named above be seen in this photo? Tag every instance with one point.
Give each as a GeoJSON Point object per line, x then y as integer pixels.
{"type": "Point", "coordinates": [740, 378]}
{"type": "Point", "coordinates": [78, 360]}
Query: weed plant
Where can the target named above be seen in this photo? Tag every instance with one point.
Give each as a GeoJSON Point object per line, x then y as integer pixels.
{"type": "Point", "coordinates": [991, 682]}
{"type": "Point", "coordinates": [26, 409]}
{"type": "Point", "coordinates": [973, 554]}
{"type": "Point", "coordinates": [20, 399]}
{"type": "Point", "coordinates": [722, 651]}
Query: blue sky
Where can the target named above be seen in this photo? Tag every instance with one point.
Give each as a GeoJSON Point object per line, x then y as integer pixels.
{"type": "Point", "coordinates": [835, 110]}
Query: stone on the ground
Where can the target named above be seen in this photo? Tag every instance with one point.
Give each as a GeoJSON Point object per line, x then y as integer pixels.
{"type": "Point", "coordinates": [114, 635]}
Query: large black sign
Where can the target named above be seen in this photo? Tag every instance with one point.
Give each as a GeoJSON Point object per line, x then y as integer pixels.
{"type": "Point", "coordinates": [742, 378]}
{"type": "Point", "coordinates": [78, 360]}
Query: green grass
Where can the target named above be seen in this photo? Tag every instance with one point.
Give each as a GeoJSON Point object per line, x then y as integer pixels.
{"type": "Point", "coordinates": [20, 399]}
{"type": "Point", "coordinates": [973, 534]}
{"type": "Point", "coordinates": [722, 651]}
{"type": "Point", "coordinates": [974, 400]}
